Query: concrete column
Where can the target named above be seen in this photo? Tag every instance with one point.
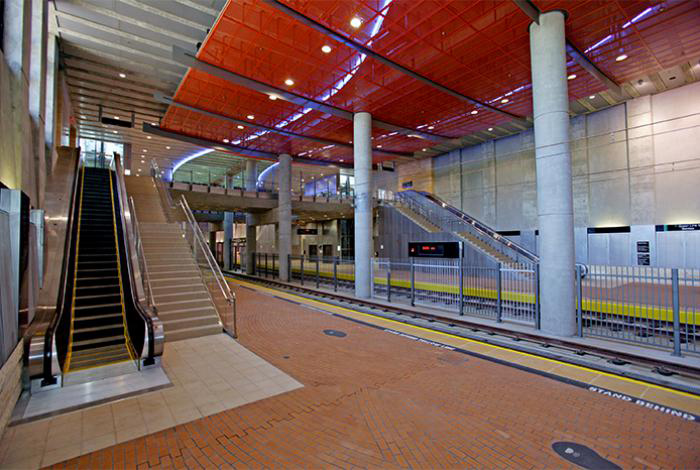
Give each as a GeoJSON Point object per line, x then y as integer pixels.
{"type": "Point", "coordinates": [284, 214]}
{"type": "Point", "coordinates": [251, 175]}
{"type": "Point", "coordinates": [553, 165]}
{"type": "Point", "coordinates": [228, 236]}
{"type": "Point", "coordinates": [362, 155]}
{"type": "Point", "coordinates": [127, 156]}
{"type": "Point", "coordinates": [251, 242]}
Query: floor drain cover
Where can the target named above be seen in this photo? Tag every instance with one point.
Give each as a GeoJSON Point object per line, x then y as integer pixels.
{"type": "Point", "coordinates": [583, 456]}
{"type": "Point", "coordinates": [337, 333]}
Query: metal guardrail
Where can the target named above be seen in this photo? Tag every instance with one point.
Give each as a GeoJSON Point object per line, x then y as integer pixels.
{"type": "Point", "coordinates": [657, 307]}
{"type": "Point", "coordinates": [222, 297]}
{"type": "Point", "coordinates": [452, 220]}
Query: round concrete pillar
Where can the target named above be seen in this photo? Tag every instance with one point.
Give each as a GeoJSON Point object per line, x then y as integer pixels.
{"type": "Point", "coordinates": [553, 166]}
{"type": "Point", "coordinates": [362, 156]}
{"type": "Point", "coordinates": [284, 208]}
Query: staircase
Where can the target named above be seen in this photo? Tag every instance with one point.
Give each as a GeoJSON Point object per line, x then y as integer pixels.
{"type": "Point", "coordinates": [434, 215]}
{"type": "Point", "coordinates": [97, 335]}
{"type": "Point", "coordinates": [180, 295]}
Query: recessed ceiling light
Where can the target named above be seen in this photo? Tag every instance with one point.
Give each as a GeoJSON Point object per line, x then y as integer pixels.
{"type": "Point", "coordinates": [289, 82]}
{"type": "Point", "coordinates": [341, 160]}
{"type": "Point", "coordinates": [149, 137]}
{"type": "Point", "coordinates": [475, 112]}
{"type": "Point", "coordinates": [250, 116]}
{"type": "Point", "coordinates": [490, 128]}
{"type": "Point", "coordinates": [591, 97]}
{"type": "Point", "coordinates": [122, 75]}
{"type": "Point", "coordinates": [425, 150]}
{"type": "Point", "coordinates": [142, 156]}
{"type": "Point", "coordinates": [154, 123]}
{"type": "Point", "coordinates": [240, 127]}
{"type": "Point", "coordinates": [326, 48]}
{"type": "Point", "coordinates": [115, 132]}
{"type": "Point", "coordinates": [273, 97]}
{"type": "Point", "coordinates": [505, 100]}
{"type": "Point", "coordinates": [83, 116]}
{"type": "Point", "coordinates": [355, 22]}
{"type": "Point", "coordinates": [621, 57]}
{"type": "Point", "coordinates": [379, 146]}
{"type": "Point", "coordinates": [430, 128]}
{"type": "Point", "coordinates": [226, 141]}
{"type": "Point", "coordinates": [116, 117]}
{"type": "Point", "coordinates": [572, 76]}
{"type": "Point", "coordinates": [145, 150]}
{"type": "Point", "coordinates": [167, 147]}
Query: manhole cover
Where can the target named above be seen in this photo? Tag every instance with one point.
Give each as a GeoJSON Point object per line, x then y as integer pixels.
{"type": "Point", "coordinates": [337, 333]}
{"type": "Point", "coordinates": [583, 456]}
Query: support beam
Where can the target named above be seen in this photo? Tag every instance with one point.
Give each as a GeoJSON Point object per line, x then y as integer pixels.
{"type": "Point", "coordinates": [284, 214]}
{"type": "Point", "coordinates": [384, 60]}
{"type": "Point", "coordinates": [251, 175]}
{"type": "Point", "coordinates": [532, 11]}
{"type": "Point", "coordinates": [228, 237]}
{"type": "Point", "coordinates": [362, 126]}
{"type": "Point", "coordinates": [171, 101]}
{"type": "Point", "coordinates": [553, 169]}
{"type": "Point", "coordinates": [189, 59]}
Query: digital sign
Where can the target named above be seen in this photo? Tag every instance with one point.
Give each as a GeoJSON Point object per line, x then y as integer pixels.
{"type": "Point", "coordinates": [433, 250]}
{"type": "Point", "coordinates": [307, 231]}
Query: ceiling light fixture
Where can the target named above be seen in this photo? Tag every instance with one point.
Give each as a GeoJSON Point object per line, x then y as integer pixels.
{"type": "Point", "coordinates": [167, 147]}
{"type": "Point", "coordinates": [149, 137]}
{"type": "Point", "coordinates": [620, 58]}
{"type": "Point", "coordinates": [122, 75]}
{"type": "Point", "coordinates": [115, 132]}
{"type": "Point", "coordinates": [145, 150]}
{"type": "Point", "coordinates": [379, 146]}
{"type": "Point", "coordinates": [504, 100]}
{"type": "Point", "coordinates": [571, 77]}
{"type": "Point", "coordinates": [250, 116]}
{"type": "Point", "coordinates": [475, 112]}
{"type": "Point", "coordinates": [591, 97]}
{"type": "Point", "coordinates": [116, 117]}
{"type": "Point", "coordinates": [289, 82]}
{"type": "Point", "coordinates": [240, 127]}
{"type": "Point", "coordinates": [425, 150]}
{"type": "Point", "coordinates": [226, 141]}
{"type": "Point", "coordinates": [490, 128]}
{"type": "Point", "coordinates": [154, 123]}
{"type": "Point", "coordinates": [430, 128]}
{"type": "Point", "coordinates": [326, 48]}
{"type": "Point", "coordinates": [355, 22]}
{"type": "Point", "coordinates": [273, 97]}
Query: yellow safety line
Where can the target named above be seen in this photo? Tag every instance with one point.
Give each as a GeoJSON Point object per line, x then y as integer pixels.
{"type": "Point", "coordinates": [69, 355]}
{"type": "Point", "coordinates": [127, 340]}
{"type": "Point", "coordinates": [626, 379]}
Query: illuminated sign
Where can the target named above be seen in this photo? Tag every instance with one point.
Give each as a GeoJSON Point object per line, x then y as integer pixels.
{"type": "Point", "coordinates": [434, 250]}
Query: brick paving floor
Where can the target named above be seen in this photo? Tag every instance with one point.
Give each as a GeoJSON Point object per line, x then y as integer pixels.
{"type": "Point", "coordinates": [375, 400]}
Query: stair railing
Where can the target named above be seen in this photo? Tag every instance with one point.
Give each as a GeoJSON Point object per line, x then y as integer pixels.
{"type": "Point", "coordinates": [451, 219]}
{"type": "Point", "coordinates": [166, 198]}
{"type": "Point", "coordinates": [153, 334]}
{"type": "Point", "coordinates": [219, 291]}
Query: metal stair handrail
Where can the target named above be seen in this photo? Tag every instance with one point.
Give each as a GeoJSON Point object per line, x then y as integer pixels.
{"type": "Point", "coordinates": [225, 289]}
{"type": "Point", "coordinates": [451, 219]}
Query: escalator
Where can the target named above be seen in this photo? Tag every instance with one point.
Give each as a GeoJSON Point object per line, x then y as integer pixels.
{"type": "Point", "coordinates": [101, 317]}
{"type": "Point", "coordinates": [98, 334]}
{"type": "Point", "coordinates": [435, 215]}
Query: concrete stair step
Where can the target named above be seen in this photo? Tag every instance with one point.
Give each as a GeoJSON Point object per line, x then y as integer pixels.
{"type": "Point", "coordinates": [182, 296]}
{"type": "Point", "coordinates": [190, 322]}
{"type": "Point", "coordinates": [186, 333]}
{"type": "Point", "coordinates": [167, 290]}
{"type": "Point", "coordinates": [188, 313]}
{"type": "Point", "coordinates": [173, 306]}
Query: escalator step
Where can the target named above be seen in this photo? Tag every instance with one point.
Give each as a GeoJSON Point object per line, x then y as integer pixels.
{"type": "Point", "coordinates": [84, 345]}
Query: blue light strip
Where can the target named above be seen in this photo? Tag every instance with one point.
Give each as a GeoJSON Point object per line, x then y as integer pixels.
{"type": "Point", "coordinates": [191, 157]}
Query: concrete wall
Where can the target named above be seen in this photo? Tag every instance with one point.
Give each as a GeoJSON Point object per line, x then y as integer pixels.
{"type": "Point", "coordinates": [635, 164]}
{"type": "Point", "coordinates": [327, 235]}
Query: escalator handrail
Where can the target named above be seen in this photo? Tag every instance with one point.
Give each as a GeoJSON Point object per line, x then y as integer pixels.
{"type": "Point", "coordinates": [146, 314]}
{"type": "Point", "coordinates": [480, 226]}
{"type": "Point", "coordinates": [60, 302]}
{"type": "Point", "coordinates": [138, 243]}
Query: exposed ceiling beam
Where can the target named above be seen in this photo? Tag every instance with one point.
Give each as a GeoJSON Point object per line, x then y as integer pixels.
{"type": "Point", "coordinates": [385, 60]}
{"type": "Point", "coordinates": [232, 148]}
{"type": "Point", "coordinates": [170, 101]}
{"type": "Point", "coordinates": [187, 58]}
{"type": "Point", "coordinates": [533, 12]}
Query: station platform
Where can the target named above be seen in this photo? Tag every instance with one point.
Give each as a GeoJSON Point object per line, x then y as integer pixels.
{"type": "Point", "coordinates": [379, 394]}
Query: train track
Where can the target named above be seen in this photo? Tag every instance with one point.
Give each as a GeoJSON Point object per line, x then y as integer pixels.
{"type": "Point", "coordinates": [654, 370]}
